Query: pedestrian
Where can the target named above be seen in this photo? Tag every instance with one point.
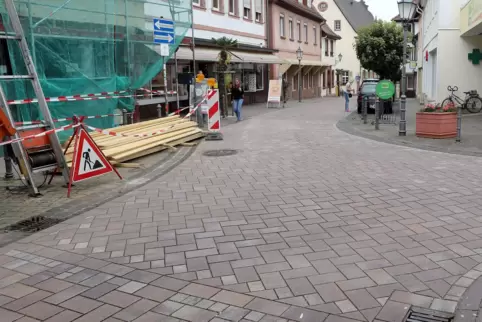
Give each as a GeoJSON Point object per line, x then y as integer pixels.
{"type": "Point", "coordinates": [237, 96]}
{"type": "Point", "coordinates": [347, 93]}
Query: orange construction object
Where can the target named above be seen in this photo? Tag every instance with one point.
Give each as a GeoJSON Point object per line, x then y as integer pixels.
{"type": "Point", "coordinates": [36, 142]}
{"type": "Point", "coordinates": [6, 128]}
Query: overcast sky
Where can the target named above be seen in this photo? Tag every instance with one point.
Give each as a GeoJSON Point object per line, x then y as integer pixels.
{"type": "Point", "coordinates": [383, 9]}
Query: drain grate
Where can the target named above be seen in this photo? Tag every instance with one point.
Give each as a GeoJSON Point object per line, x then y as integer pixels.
{"type": "Point", "coordinates": [220, 153]}
{"type": "Point", "coordinates": [417, 314]}
{"type": "Point", "coordinates": [33, 224]}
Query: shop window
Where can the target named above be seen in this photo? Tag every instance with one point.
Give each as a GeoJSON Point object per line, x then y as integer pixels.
{"type": "Point", "coordinates": [310, 80]}
{"type": "Point", "coordinates": [294, 82]}
{"type": "Point", "coordinates": [251, 76]}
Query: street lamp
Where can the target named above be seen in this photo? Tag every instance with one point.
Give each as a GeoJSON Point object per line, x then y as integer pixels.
{"type": "Point", "coordinates": [299, 55]}
{"type": "Point", "coordinates": [340, 57]}
{"type": "Point", "coordinates": [406, 9]}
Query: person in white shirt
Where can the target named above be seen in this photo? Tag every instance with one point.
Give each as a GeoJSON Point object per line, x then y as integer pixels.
{"type": "Point", "coordinates": [346, 92]}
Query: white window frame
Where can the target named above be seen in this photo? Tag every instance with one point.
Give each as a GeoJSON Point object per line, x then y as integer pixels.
{"type": "Point", "coordinates": [196, 2]}
{"type": "Point", "coordinates": [345, 77]}
{"type": "Point", "coordinates": [282, 30]}
{"type": "Point", "coordinates": [291, 29]}
{"type": "Point", "coordinates": [305, 29]}
{"type": "Point", "coordinates": [339, 25]}
{"type": "Point", "coordinates": [246, 12]}
{"type": "Point", "coordinates": [258, 12]}
{"type": "Point", "coordinates": [231, 7]}
{"type": "Point", "coordinates": [218, 7]}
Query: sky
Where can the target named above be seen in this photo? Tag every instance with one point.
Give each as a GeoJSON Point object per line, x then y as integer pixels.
{"type": "Point", "coordinates": [383, 9]}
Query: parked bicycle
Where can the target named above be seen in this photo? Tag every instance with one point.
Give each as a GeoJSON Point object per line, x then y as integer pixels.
{"type": "Point", "coordinates": [472, 101]}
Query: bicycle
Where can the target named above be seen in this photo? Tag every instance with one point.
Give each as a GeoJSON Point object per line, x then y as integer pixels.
{"type": "Point", "coordinates": [472, 101]}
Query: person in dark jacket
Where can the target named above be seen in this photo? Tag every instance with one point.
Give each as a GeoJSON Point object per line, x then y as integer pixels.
{"type": "Point", "coordinates": [237, 96]}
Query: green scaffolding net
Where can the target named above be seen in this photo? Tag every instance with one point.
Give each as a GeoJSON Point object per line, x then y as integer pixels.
{"type": "Point", "coordinates": [89, 47]}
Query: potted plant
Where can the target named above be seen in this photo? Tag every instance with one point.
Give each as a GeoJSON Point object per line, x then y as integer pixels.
{"type": "Point", "coordinates": [436, 122]}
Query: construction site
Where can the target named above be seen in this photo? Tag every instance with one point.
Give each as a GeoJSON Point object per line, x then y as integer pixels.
{"type": "Point", "coordinates": [93, 66]}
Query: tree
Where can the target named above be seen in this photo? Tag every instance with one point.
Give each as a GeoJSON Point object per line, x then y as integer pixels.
{"type": "Point", "coordinates": [379, 47]}
{"type": "Point", "coordinates": [225, 45]}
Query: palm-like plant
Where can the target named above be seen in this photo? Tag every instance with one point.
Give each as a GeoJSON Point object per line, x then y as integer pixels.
{"type": "Point", "coordinates": [224, 58]}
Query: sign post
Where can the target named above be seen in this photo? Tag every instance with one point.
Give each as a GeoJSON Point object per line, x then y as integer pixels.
{"type": "Point", "coordinates": [88, 161]}
{"type": "Point", "coordinates": [274, 92]}
{"type": "Point", "coordinates": [385, 89]}
{"type": "Point", "coordinates": [164, 36]}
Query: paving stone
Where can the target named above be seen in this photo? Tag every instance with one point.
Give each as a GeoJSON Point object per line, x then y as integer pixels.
{"type": "Point", "coordinates": [64, 316]}
{"type": "Point", "coordinates": [330, 292]}
{"type": "Point", "coordinates": [26, 300]}
{"type": "Point", "coordinates": [300, 286]}
{"type": "Point", "coordinates": [345, 306]}
{"type": "Point", "coordinates": [266, 306]}
{"type": "Point", "coordinates": [410, 298]}
{"type": "Point", "coordinates": [99, 314]}
{"type": "Point", "coordinates": [131, 287]}
{"type": "Point", "coordinates": [141, 276]}
{"type": "Point", "coordinates": [254, 316]}
{"type": "Point", "coordinates": [99, 290]}
{"type": "Point", "coordinates": [170, 283]}
{"type": "Point", "coordinates": [362, 299]}
{"type": "Point", "coordinates": [154, 293]}
{"type": "Point", "coordinates": [17, 290]}
{"type": "Point", "coordinates": [232, 298]}
{"type": "Point", "coordinates": [198, 290]}
{"type": "Point", "coordinates": [9, 316]}
{"type": "Point", "coordinates": [66, 294]}
{"type": "Point", "coordinates": [302, 314]}
{"type": "Point", "coordinates": [246, 274]}
{"type": "Point", "coordinates": [81, 304]}
{"type": "Point", "coordinates": [233, 313]}
{"type": "Point", "coordinates": [167, 307]}
{"type": "Point", "coordinates": [194, 314]}
{"type": "Point", "coordinates": [136, 310]}
{"type": "Point", "coordinates": [393, 311]}
{"type": "Point", "coordinates": [444, 305]}
{"type": "Point", "coordinates": [119, 299]}
{"type": "Point", "coordinates": [41, 310]}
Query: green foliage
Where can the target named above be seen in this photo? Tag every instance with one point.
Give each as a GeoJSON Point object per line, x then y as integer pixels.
{"type": "Point", "coordinates": [379, 47]}
{"type": "Point", "coordinates": [225, 45]}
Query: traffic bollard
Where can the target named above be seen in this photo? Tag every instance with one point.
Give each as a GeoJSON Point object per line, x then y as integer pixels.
{"type": "Point", "coordinates": [364, 109]}
{"type": "Point", "coordinates": [377, 114]}
{"type": "Point", "coordinates": [459, 124]}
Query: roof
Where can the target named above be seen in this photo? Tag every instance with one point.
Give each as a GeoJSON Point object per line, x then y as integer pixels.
{"type": "Point", "coordinates": [328, 32]}
{"type": "Point", "coordinates": [300, 9]}
{"type": "Point", "coordinates": [356, 13]}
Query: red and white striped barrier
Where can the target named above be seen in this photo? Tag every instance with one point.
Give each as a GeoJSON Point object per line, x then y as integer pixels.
{"type": "Point", "coordinates": [214, 115]}
{"type": "Point", "coordinates": [89, 97]}
{"type": "Point", "coordinates": [30, 137]}
{"type": "Point", "coordinates": [66, 119]}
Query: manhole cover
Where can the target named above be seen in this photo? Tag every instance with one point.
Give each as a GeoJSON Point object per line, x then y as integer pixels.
{"type": "Point", "coordinates": [417, 314]}
{"type": "Point", "coordinates": [220, 153]}
{"type": "Point", "coordinates": [34, 224]}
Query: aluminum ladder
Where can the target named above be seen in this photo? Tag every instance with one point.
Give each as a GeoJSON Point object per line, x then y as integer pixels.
{"type": "Point", "coordinates": [18, 148]}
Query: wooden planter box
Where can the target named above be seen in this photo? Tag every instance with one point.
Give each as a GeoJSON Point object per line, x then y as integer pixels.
{"type": "Point", "coordinates": [436, 125]}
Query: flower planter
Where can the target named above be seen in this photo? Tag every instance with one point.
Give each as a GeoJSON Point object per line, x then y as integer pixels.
{"type": "Point", "coordinates": [436, 125]}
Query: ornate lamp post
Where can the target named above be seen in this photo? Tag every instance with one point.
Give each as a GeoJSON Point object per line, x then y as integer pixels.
{"type": "Point", "coordinates": [299, 55]}
{"type": "Point", "coordinates": [406, 10]}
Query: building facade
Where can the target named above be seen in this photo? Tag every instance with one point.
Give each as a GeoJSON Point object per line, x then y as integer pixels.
{"type": "Point", "coordinates": [345, 17]}
{"type": "Point", "coordinates": [451, 43]}
{"type": "Point", "coordinates": [298, 26]}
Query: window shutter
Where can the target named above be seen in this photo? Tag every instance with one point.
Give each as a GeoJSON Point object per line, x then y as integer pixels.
{"type": "Point", "coordinates": [247, 3]}
{"type": "Point", "coordinates": [258, 5]}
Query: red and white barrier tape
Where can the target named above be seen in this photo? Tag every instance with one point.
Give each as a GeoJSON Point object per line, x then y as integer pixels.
{"type": "Point", "coordinates": [66, 119]}
{"type": "Point", "coordinates": [88, 97]}
{"type": "Point", "coordinates": [31, 137]}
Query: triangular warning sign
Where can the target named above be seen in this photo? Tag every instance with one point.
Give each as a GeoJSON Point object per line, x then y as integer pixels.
{"type": "Point", "coordinates": [89, 161]}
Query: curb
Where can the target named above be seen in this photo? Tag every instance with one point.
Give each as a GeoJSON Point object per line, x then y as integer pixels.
{"type": "Point", "coordinates": [344, 126]}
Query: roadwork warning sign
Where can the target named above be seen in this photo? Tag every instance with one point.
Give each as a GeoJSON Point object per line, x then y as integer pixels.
{"type": "Point", "coordinates": [89, 161]}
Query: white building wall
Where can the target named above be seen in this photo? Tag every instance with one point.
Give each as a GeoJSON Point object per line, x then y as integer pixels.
{"type": "Point", "coordinates": [221, 24]}
{"type": "Point", "coordinates": [344, 46]}
{"type": "Point", "coordinates": [448, 63]}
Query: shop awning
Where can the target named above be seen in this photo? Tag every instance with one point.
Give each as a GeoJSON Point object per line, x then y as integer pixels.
{"type": "Point", "coordinates": [305, 62]}
{"type": "Point", "coordinates": [211, 55]}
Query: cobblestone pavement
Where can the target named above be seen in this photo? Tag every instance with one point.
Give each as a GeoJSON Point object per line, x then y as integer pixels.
{"type": "Point", "coordinates": [305, 223]}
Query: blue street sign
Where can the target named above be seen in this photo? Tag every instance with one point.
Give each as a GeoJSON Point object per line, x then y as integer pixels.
{"type": "Point", "coordinates": [163, 31]}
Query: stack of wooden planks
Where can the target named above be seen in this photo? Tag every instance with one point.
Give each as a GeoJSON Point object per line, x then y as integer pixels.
{"type": "Point", "coordinates": [119, 149]}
